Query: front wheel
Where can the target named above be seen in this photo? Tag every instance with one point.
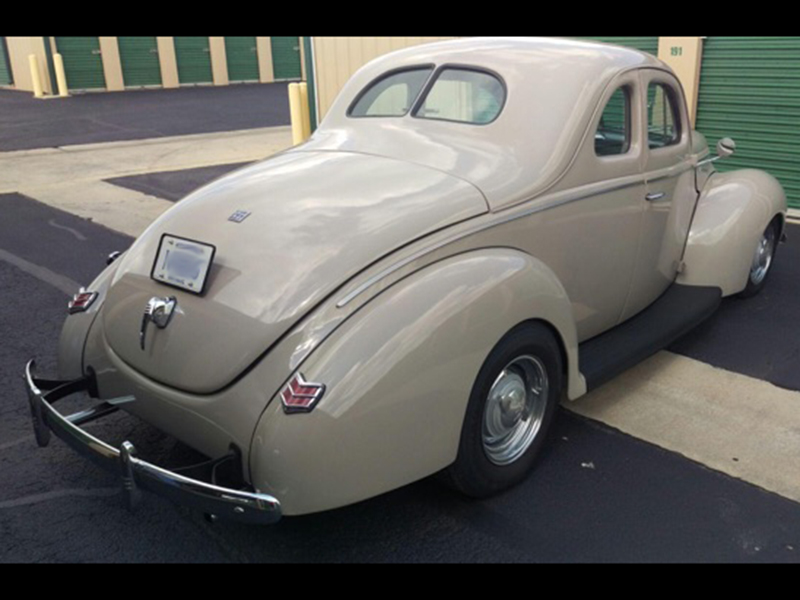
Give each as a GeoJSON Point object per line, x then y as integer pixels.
{"type": "Point", "coordinates": [763, 261]}
{"type": "Point", "coordinates": [510, 412]}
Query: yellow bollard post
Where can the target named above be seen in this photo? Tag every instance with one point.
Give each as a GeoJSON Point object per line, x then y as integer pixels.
{"type": "Point", "coordinates": [36, 78]}
{"type": "Point", "coordinates": [306, 111]}
{"type": "Point", "coordinates": [296, 110]}
{"type": "Point", "coordinates": [61, 76]}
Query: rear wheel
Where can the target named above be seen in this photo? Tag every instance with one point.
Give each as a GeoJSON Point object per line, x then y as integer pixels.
{"type": "Point", "coordinates": [510, 412]}
{"type": "Point", "coordinates": [763, 261]}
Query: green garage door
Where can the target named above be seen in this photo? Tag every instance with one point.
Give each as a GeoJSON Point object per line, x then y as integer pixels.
{"type": "Point", "coordinates": [140, 65]}
{"type": "Point", "coordinates": [242, 55]}
{"type": "Point", "coordinates": [286, 58]}
{"type": "Point", "coordinates": [194, 60]}
{"type": "Point", "coordinates": [750, 91]}
{"type": "Point", "coordinates": [83, 62]}
{"type": "Point", "coordinates": [645, 44]}
{"type": "Point", "coordinates": [5, 70]}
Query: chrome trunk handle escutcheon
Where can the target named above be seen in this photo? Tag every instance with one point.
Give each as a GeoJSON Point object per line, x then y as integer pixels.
{"type": "Point", "coordinates": [158, 311]}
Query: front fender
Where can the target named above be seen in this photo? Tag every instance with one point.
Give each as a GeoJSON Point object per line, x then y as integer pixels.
{"type": "Point", "coordinates": [732, 215]}
{"type": "Point", "coordinates": [399, 375]}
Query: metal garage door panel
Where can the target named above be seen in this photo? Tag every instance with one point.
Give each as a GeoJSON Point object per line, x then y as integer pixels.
{"type": "Point", "coordinates": [286, 58]}
{"type": "Point", "coordinates": [5, 70]}
{"type": "Point", "coordinates": [140, 64]}
{"type": "Point", "coordinates": [193, 55]}
{"type": "Point", "coordinates": [750, 91]}
{"type": "Point", "coordinates": [645, 44]}
{"type": "Point", "coordinates": [242, 56]}
{"type": "Point", "coordinates": [83, 62]}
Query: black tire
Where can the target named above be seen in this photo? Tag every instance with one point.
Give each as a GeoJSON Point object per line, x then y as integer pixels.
{"type": "Point", "coordinates": [757, 280]}
{"type": "Point", "coordinates": [480, 470]}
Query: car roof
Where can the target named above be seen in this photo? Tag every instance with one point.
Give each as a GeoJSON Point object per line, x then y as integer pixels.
{"type": "Point", "coordinates": [553, 88]}
{"type": "Point", "coordinates": [497, 52]}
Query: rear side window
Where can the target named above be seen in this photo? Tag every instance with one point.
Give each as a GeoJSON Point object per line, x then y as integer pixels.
{"type": "Point", "coordinates": [391, 96]}
{"type": "Point", "coordinates": [464, 96]}
{"type": "Point", "coordinates": [613, 137]}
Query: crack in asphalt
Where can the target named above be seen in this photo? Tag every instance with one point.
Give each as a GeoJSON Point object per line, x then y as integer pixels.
{"type": "Point", "coordinates": [78, 235]}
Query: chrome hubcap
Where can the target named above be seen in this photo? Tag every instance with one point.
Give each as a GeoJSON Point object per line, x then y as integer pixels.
{"type": "Point", "coordinates": [515, 410]}
{"type": "Point", "coordinates": [762, 261]}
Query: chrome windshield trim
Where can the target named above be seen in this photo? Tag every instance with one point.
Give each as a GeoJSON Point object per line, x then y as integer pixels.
{"type": "Point", "coordinates": [213, 500]}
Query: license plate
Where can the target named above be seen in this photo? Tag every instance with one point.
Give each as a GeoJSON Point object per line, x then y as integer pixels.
{"type": "Point", "coordinates": [183, 264]}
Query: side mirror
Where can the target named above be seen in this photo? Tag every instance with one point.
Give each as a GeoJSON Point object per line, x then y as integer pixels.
{"type": "Point", "coordinates": [726, 148]}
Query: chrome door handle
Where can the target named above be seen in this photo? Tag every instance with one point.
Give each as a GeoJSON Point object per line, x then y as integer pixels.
{"type": "Point", "coordinates": [655, 197]}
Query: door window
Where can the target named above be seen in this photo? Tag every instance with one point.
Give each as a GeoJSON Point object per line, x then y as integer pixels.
{"type": "Point", "coordinates": [663, 128]}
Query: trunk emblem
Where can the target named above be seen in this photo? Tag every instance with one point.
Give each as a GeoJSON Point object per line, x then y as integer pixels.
{"type": "Point", "coordinates": [239, 216]}
{"type": "Point", "coordinates": [158, 311]}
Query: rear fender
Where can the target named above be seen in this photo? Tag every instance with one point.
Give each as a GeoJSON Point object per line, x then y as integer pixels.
{"type": "Point", "coordinates": [398, 377]}
{"type": "Point", "coordinates": [76, 329]}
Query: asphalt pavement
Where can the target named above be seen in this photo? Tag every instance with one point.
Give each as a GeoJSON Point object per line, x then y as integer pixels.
{"type": "Point", "coordinates": [758, 336]}
{"type": "Point", "coordinates": [27, 123]}
{"type": "Point", "coordinates": [174, 185]}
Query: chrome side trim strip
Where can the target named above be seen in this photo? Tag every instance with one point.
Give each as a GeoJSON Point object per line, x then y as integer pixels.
{"type": "Point", "coordinates": [557, 203]}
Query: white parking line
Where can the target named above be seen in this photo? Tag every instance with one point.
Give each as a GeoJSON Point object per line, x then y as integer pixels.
{"type": "Point", "coordinates": [57, 494]}
{"type": "Point", "coordinates": [741, 426]}
{"type": "Point", "coordinates": [60, 282]}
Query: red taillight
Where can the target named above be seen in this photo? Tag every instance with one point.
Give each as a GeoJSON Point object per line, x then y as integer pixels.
{"type": "Point", "coordinates": [301, 396]}
{"type": "Point", "coordinates": [81, 302]}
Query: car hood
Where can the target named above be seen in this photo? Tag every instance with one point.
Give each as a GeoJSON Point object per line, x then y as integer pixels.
{"type": "Point", "coordinates": [316, 220]}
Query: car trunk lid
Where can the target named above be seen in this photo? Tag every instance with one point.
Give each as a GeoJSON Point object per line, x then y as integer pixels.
{"type": "Point", "coordinates": [312, 222]}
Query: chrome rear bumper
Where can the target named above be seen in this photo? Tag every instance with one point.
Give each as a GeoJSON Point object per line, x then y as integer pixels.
{"type": "Point", "coordinates": [136, 474]}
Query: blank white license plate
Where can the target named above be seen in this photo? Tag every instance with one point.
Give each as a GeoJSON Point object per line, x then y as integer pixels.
{"type": "Point", "coordinates": [183, 263]}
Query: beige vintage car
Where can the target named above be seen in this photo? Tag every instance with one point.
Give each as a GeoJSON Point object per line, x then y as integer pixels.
{"type": "Point", "coordinates": [478, 229]}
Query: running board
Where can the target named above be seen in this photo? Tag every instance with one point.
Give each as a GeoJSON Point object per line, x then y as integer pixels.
{"type": "Point", "coordinates": [676, 313]}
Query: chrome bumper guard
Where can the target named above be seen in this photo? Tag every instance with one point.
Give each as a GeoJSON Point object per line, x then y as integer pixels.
{"type": "Point", "coordinates": [136, 474]}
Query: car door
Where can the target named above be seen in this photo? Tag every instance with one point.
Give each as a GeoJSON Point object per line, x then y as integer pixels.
{"type": "Point", "coordinates": [670, 196]}
{"type": "Point", "coordinates": [591, 241]}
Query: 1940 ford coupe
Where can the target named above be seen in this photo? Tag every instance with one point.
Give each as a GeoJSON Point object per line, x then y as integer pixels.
{"type": "Point", "coordinates": [477, 229]}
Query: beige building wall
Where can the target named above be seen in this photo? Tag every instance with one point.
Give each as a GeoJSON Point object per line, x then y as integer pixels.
{"type": "Point", "coordinates": [265, 69]}
{"type": "Point", "coordinates": [219, 60]}
{"type": "Point", "coordinates": [338, 58]}
{"type": "Point", "coordinates": [19, 48]}
{"type": "Point", "coordinates": [685, 56]}
{"type": "Point", "coordinates": [112, 64]}
{"type": "Point", "coordinates": [168, 62]}
{"type": "Point", "coordinates": [303, 68]}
